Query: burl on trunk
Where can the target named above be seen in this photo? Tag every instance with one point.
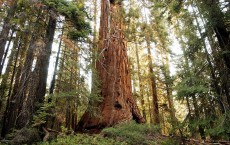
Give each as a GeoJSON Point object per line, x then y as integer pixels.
{"type": "Point", "coordinates": [118, 104]}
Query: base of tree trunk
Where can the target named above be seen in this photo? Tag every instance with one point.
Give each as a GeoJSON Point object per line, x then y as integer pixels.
{"type": "Point", "coordinates": [109, 115]}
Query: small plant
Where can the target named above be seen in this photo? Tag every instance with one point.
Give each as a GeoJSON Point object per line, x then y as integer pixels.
{"type": "Point", "coordinates": [170, 141]}
{"type": "Point", "coordinates": [42, 114]}
{"type": "Point", "coordinates": [133, 133]}
{"type": "Point", "coordinates": [83, 139]}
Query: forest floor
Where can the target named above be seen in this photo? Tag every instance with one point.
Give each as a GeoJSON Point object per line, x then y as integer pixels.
{"type": "Point", "coordinates": [109, 137]}
{"type": "Point", "coordinates": [123, 134]}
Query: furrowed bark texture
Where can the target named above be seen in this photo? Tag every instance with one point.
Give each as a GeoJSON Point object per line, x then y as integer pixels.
{"type": "Point", "coordinates": [118, 104]}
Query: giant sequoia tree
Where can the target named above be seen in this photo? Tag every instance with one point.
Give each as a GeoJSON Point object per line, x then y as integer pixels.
{"type": "Point", "coordinates": [112, 66]}
{"type": "Point", "coordinates": [179, 53]}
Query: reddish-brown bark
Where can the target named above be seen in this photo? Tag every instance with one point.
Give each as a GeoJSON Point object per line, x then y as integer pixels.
{"type": "Point", "coordinates": [118, 104]}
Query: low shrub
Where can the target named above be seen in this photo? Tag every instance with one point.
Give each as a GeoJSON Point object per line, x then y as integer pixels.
{"type": "Point", "coordinates": [83, 139]}
{"type": "Point", "coordinates": [133, 133]}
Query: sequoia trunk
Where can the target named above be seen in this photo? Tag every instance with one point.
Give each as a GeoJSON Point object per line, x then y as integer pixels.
{"type": "Point", "coordinates": [118, 104]}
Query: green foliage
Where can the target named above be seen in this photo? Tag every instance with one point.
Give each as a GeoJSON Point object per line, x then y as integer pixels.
{"type": "Point", "coordinates": [95, 96]}
{"type": "Point", "coordinates": [83, 139]}
{"type": "Point", "coordinates": [23, 3]}
{"type": "Point", "coordinates": [133, 133]}
{"type": "Point", "coordinates": [123, 134]}
{"type": "Point", "coordinates": [76, 34]}
{"type": "Point", "coordinates": [73, 12]}
{"type": "Point", "coordinates": [175, 6]}
{"type": "Point", "coordinates": [42, 114]}
{"type": "Point", "coordinates": [190, 86]}
{"type": "Point", "coordinates": [170, 141]}
{"type": "Point", "coordinates": [55, 107]}
{"type": "Point", "coordinates": [221, 128]}
{"type": "Point", "coordinates": [133, 13]}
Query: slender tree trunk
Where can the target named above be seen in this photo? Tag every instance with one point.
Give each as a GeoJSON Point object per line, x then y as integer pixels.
{"type": "Point", "coordinates": [9, 68]}
{"type": "Point", "coordinates": [212, 71]}
{"type": "Point", "coordinates": [51, 90]}
{"type": "Point", "coordinates": [6, 85]}
{"type": "Point", "coordinates": [51, 121]}
{"type": "Point", "coordinates": [61, 68]}
{"type": "Point", "coordinates": [149, 107]}
{"type": "Point", "coordinates": [38, 80]}
{"type": "Point", "coordinates": [140, 83]}
{"type": "Point", "coordinates": [67, 114]}
{"type": "Point", "coordinates": [18, 95]}
{"type": "Point", "coordinates": [188, 106]}
{"type": "Point", "coordinates": [6, 52]}
{"type": "Point", "coordinates": [9, 114]}
{"type": "Point", "coordinates": [169, 93]}
{"type": "Point", "coordinates": [216, 18]}
{"type": "Point", "coordinates": [153, 85]}
{"type": "Point", "coordinates": [94, 50]}
{"type": "Point", "coordinates": [24, 43]}
{"type": "Point", "coordinates": [5, 31]}
{"type": "Point", "coordinates": [118, 104]}
{"type": "Point", "coordinates": [197, 117]}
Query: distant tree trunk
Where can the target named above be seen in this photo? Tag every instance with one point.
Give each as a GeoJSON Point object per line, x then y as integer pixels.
{"type": "Point", "coordinates": [149, 106]}
{"type": "Point", "coordinates": [15, 100]}
{"type": "Point", "coordinates": [69, 102]}
{"type": "Point", "coordinates": [197, 117]}
{"type": "Point", "coordinates": [217, 64]}
{"type": "Point", "coordinates": [61, 68]}
{"type": "Point", "coordinates": [6, 52]}
{"type": "Point", "coordinates": [168, 84]}
{"type": "Point", "coordinates": [53, 81]}
{"type": "Point", "coordinates": [94, 49]}
{"type": "Point", "coordinates": [20, 91]}
{"type": "Point", "coordinates": [188, 106]}
{"type": "Point", "coordinates": [53, 121]}
{"type": "Point", "coordinates": [68, 114]}
{"type": "Point", "coordinates": [5, 83]}
{"type": "Point", "coordinates": [12, 106]}
{"type": "Point", "coordinates": [38, 80]}
{"type": "Point", "coordinates": [216, 18]}
{"type": "Point", "coordinates": [24, 43]}
{"type": "Point", "coordinates": [214, 80]}
{"type": "Point", "coordinates": [153, 84]}
{"type": "Point", "coordinates": [5, 31]}
{"type": "Point", "coordinates": [118, 104]}
{"type": "Point", "coordinates": [140, 82]}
